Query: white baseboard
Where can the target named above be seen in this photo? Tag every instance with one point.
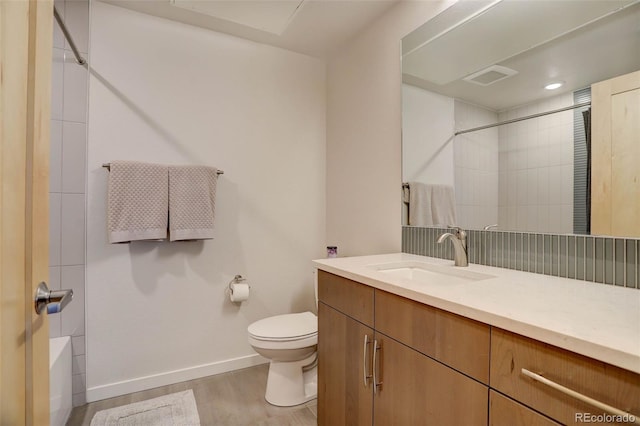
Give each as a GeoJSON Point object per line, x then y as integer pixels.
{"type": "Point", "coordinates": [170, 377]}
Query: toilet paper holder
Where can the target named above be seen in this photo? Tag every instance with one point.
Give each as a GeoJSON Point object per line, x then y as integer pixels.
{"type": "Point", "coordinates": [238, 289]}
{"type": "Point", "coordinates": [236, 280]}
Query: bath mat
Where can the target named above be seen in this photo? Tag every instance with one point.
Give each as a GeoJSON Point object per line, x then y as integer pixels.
{"type": "Point", "coordinates": [176, 409]}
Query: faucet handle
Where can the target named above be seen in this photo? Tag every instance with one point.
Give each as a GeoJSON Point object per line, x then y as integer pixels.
{"type": "Point", "coordinates": [460, 233]}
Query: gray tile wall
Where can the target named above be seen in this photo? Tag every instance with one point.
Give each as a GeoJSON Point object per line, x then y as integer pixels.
{"type": "Point", "coordinates": [606, 260]}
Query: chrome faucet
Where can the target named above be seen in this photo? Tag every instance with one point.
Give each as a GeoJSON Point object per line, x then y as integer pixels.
{"type": "Point", "coordinates": [490, 227]}
{"type": "Point", "coordinates": [459, 239]}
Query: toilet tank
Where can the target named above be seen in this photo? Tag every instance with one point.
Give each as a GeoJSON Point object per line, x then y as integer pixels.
{"type": "Point", "coordinates": [315, 285]}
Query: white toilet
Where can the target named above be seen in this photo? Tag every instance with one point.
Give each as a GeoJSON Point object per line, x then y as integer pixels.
{"type": "Point", "coordinates": [290, 342]}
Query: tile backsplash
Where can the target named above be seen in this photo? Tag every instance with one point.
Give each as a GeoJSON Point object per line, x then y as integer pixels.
{"type": "Point", "coordinates": [606, 260]}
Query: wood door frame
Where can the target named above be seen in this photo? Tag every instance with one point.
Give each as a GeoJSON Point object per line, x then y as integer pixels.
{"type": "Point", "coordinates": [26, 42]}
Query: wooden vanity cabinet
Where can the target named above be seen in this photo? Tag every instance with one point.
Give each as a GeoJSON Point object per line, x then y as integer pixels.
{"type": "Point", "coordinates": [432, 367]}
{"type": "Point", "coordinates": [411, 387]}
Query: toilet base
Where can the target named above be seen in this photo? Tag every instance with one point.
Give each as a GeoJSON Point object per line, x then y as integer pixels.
{"type": "Point", "coordinates": [288, 385]}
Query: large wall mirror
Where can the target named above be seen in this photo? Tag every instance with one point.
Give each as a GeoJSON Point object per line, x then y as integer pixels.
{"type": "Point", "coordinates": [529, 64]}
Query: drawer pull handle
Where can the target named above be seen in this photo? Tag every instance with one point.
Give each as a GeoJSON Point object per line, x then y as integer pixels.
{"type": "Point", "coordinates": [577, 395]}
{"type": "Point", "coordinates": [376, 383]}
{"type": "Point", "coordinates": [365, 370]}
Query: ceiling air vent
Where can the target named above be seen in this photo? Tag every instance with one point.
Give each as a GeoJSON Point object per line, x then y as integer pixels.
{"type": "Point", "coordinates": [490, 75]}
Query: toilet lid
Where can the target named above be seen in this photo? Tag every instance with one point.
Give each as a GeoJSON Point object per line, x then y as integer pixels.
{"type": "Point", "coordinates": [281, 327]}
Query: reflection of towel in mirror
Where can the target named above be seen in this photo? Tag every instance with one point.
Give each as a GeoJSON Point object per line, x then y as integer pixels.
{"type": "Point", "coordinates": [431, 205]}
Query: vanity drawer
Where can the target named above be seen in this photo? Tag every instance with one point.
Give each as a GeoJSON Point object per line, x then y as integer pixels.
{"type": "Point", "coordinates": [347, 296]}
{"type": "Point", "coordinates": [511, 353]}
{"type": "Point", "coordinates": [507, 412]}
{"type": "Point", "coordinates": [459, 342]}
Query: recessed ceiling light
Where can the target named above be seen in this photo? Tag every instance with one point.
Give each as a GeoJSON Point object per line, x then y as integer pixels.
{"type": "Point", "coordinates": [554, 86]}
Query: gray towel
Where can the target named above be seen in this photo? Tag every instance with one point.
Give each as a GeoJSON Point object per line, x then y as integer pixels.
{"type": "Point", "coordinates": [431, 205]}
{"type": "Point", "coordinates": [138, 201]}
{"type": "Point", "coordinates": [192, 202]}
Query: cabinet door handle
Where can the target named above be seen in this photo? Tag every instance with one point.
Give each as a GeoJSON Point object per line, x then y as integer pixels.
{"type": "Point", "coordinates": [577, 395]}
{"type": "Point", "coordinates": [365, 352]}
{"type": "Point", "coordinates": [375, 366]}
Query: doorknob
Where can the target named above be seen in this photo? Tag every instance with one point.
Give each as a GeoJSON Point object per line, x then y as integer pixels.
{"type": "Point", "coordinates": [55, 301]}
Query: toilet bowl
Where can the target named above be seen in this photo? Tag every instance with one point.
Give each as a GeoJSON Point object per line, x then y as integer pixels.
{"type": "Point", "coordinates": [289, 342]}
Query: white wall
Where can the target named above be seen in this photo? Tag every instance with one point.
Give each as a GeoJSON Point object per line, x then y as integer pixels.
{"type": "Point", "coordinates": [364, 127]}
{"type": "Point", "coordinates": [476, 160]}
{"type": "Point", "coordinates": [427, 136]}
{"type": "Point", "coordinates": [536, 168]}
{"type": "Point", "coordinates": [169, 93]}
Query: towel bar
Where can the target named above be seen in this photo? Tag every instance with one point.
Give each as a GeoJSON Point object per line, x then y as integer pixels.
{"type": "Point", "coordinates": [108, 167]}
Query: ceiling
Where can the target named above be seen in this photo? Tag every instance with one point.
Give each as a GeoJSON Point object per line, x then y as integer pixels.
{"type": "Point", "coordinates": [577, 42]}
{"type": "Point", "coordinates": [312, 27]}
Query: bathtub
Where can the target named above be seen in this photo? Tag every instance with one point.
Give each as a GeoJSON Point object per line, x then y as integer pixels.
{"type": "Point", "coordinates": [60, 380]}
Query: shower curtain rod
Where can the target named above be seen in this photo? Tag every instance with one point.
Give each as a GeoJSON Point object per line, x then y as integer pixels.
{"type": "Point", "coordinates": [108, 167]}
{"type": "Point", "coordinates": [79, 59]}
{"type": "Point", "coordinates": [514, 120]}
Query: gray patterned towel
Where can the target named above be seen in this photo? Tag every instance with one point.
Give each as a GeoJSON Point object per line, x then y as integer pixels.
{"type": "Point", "coordinates": [138, 201]}
{"type": "Point", "coordinates": [192, 202]}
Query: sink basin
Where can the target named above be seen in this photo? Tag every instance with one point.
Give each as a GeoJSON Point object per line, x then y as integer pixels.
{"type": "Point", "coordinates": [429, 273]}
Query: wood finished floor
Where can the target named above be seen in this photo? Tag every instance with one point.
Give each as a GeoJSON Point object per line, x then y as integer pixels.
{"type": "Point", "coordinates": [230, 399]}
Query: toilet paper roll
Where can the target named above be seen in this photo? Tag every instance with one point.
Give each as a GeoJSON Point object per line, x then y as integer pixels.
{"type": "Point", "coordinates": [239, 292]}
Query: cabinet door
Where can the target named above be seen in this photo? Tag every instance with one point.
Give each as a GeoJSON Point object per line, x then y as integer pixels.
{"type": "Point", "coordinates": [343, 360]}
{"type": "Point", "coordinates": [415, 390]}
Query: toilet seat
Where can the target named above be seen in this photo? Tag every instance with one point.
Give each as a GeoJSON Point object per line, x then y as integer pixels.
{"type": "Point", "coordinates": [285, 327]}
{"type": "Point", "coordinates": [289, 331]}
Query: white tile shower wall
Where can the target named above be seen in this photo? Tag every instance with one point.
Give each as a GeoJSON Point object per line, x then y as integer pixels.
{"type": "Point", "coordinates": [536, 168]}
{"type": "Point", "coordinates": [67, 182]}
{"type": "Point", "coordinates": [476, 167]}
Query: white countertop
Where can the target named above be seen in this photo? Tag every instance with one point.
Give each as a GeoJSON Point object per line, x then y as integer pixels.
{"type": "Point", "coordinates": [596, 320]}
